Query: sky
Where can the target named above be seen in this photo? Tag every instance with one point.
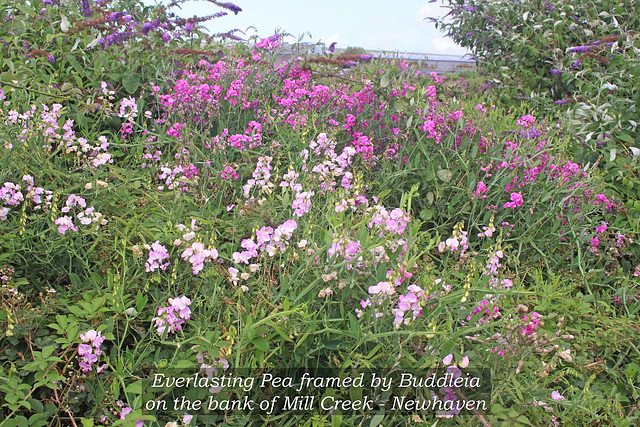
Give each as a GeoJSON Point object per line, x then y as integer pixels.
{"type": "Point", "coordinates": [372, 24]}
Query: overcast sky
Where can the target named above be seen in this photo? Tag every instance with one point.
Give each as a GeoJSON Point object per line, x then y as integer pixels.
{"type": "Point", "coordinates": [371, 24]}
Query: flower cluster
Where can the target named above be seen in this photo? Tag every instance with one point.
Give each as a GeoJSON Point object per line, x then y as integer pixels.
{"type": "Point", "coordinates": [177, 176]}
{"type": "Point", "coordinates": [411, 301]}
{"type": "Point", "coordinates": [228, 172]}
{"type": "Point", "coordinates": [87, 216]}
{"type": "Point", "coordinates": [157, 254]}
{"type": "Point", "coordinates": [516, 201]}
{"type": "Point", "coordinates": [197, 255]}
{"type": "Point", "coordinates": [11, 196]}
{"type": "Point", "coordinates": [90, 350]}
{"type": "Point", "coordinates": [268, 241]}
{"type": "Point", "coordinates": [261, 176]}
{"type": "Point", "coordinates": [170, 319]}
{"type": "Point", "coordinates": [481, 191]}
{"type": "Point", "coordinates": [457, 242]}
{"type": "Point", "coordinates": [388, 223]}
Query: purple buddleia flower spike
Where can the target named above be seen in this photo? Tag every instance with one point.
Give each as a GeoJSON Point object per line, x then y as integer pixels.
{"type": "Point", "coordinates": [86, 8]}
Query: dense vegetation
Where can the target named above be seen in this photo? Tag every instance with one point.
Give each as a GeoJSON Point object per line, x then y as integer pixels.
{"type": "Point", "coordinates": [176, 202]}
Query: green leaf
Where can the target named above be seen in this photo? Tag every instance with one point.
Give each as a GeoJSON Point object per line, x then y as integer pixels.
{"type": "Point", "coordinates": [445, 175]}
{"type": "Point", "coordinates": [47, 351]}
{"type": "Point", "coordinates": [18, 421]}
{"type": "Point", "coordinates": [135, 388]}
{"type": "Point", "coordinates": [626, 137]}
{"type": "Point", "coordinates": [261, 343]}
{"type": "Point", "coordinates": [131, 82]}
{"type": "Point", "coordinates": [376, 420]}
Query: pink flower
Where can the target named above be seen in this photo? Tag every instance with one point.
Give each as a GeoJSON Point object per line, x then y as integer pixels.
{"type": "Point", "coordinates": [556, 396]}
{"type": "Point", "coordinates": [172, 318]}
{"type": "Point", "coordinates": [229, 173]}
{"type": "Point", "coordinates": [602, 227]}
{"type": "Point", "coordinates": [64, 224]}
{"type": "Point", "coordinates": [448, 359]}
{"type": "Point", "coordinates": [526, 121]}
{"type": "Point", "coordinates": [89, 357]}
{"type": "Point", "coordinates": [84, 349]}
{"type": "Point", "coordinates": [481, 190]}
{"type": "Point", "coordinates": [516, 201]}
{"type": "Point", "coordinates": [157, 253]}
{"type": "Point", "coordinates": [464, 362]}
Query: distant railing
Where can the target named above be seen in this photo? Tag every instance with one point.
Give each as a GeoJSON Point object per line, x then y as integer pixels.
{"type": "Point", "coordinates": [444, 63]}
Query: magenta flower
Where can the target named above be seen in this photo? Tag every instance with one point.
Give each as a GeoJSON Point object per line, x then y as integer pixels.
{"type": "Point", "coordinates": [481, 190]}
{"type": "Point", "coordinates": [602, 227]}
{"type": "Point", "coordinates": [228, 172]}
{"type": "Point", "coordinates": [516, 201]}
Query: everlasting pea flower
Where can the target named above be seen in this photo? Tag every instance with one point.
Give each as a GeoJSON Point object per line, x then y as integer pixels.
{"type": "Point", "coordinates": [602, 227]}
{"type": "Point", "coordinates": [481, 189]}
{"type": "Point", "coordinates": [173, 316]}
{"type": "Point", "coordinates": [157, 253]}
{"type": "Point", "coordinates": [556, 396]}
{"type": "Point", "coordinates": [127, 410]}
{"type": "Point", "coordinates": [448, 359]}
{"type": "Point", "coordinates": [65, 223]}
{"type": "Point", "coordinates": [516, 201]}
{"type": "Point", "coordinates": [84, 349]}
{"type": "Point", "coordinates": [464, 362]}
